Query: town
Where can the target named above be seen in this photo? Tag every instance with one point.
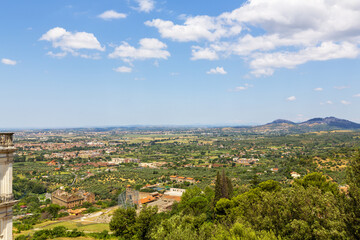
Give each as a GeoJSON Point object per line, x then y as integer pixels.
{"type": "Point", "coordinates": [81, 177]}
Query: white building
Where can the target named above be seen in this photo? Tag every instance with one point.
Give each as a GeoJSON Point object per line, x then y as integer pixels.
{"type": "Point", "coordinates": [175, 192]}
{"type": "Point", "coordinates": [7, 201]}
{"type": "Point", "coordinates": [295, 175]}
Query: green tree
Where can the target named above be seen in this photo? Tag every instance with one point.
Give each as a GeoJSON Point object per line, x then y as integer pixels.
{"type": "Point", "coordinates": [145, 222]}
{"type": "Point", "coordinates": [218, 191]}
{"type": "Point", "coordinates": [353, 200]}
{"type": "Point", "coordinates": [122, 222]}
{"type": "Point", "coordinates": [318, 180]}
{"type": "Point", "coordinates": [53, 210]}
{"type": "Point", "coordinates": [223, 187]}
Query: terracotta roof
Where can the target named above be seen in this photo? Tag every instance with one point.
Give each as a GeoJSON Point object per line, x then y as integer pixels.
{"type": "Point", "coordinates": [147, 200]}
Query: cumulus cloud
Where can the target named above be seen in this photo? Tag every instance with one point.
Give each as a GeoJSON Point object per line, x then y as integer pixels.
{"type": "Point", "coordinates": [345, 102]}
{"type": "Point", "coordinates": [292, 98]}
{"type": "Point", "coordinates": [203, 53]}
{"type": "Point", "coordinates": [7, 61]}
{"type": "Point", "coordinates": [217, 70]}
{"type": "Point", "coordinates": [194, 29]}
{"type": "Point", "coordinates": [111, 14]}
{"type": "Point", "coordinates": [357, 95]}
{"type": "Point", "coordinates": [123, 69]}
{"type": "Point", "coordinates": [326, 51]}
{"type": "Point", "coordinates": [149, 48]}
{"type": "Point", "coordinates": [145, 5]}
{"type": "Point", "coordinates": [70, 42]}
{"type": "Point", "coordinates": [291, 33]}
{"type": "Point", "coordinates": [319, 89]}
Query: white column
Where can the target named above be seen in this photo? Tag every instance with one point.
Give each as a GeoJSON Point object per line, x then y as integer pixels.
{"type": "Point", "coordinates": [2, 227]}
{"type": "Point", "coordinates": [9, 227]}
{"type": "Point", "coordinates": [10, 170]}
{"type": "Point", "coordinates": [4, 177]}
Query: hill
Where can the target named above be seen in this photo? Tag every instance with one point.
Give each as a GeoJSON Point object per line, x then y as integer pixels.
{"type": "Point", "coordinates": [282, 126]}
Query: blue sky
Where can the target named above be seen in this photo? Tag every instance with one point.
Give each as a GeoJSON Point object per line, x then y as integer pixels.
{"type": "Point", "coordinates": [151, 62]}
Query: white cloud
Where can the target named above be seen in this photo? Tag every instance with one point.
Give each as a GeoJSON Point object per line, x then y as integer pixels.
{"type": "Point", "coordinates": [56, 55]}
{"type": "Point", "coordinates": [8, 61]}
{"type": "Point", "coordinates": [327, 102]}
{"type": "Point", "coordinates": [70, 42]}
{"type": "Point", "coordinates": [217, 70]}
{"type": "Point", "coordinates": [341, 87]}
{"type": "Point", "coordinates": [241, 88]}
{"type": "Point", "coordinates": [326, 51]}
{"type": "Point", "coordinates": [291, 32]}
{"type": "Point", "coordinates": [111, 14]}
{"type": "Point", "coordinates": [203, 53]}
{"type": "Point", "coordinates": [145, 5]}
{"type": "Point", "coordinates": [123, 69]}
{"type": "Point", "coordinates": [345, 102]}
{"type": "Point", "coordinates": [357, 95]}
{"type": "Point", "coordinates": [319, 89]}
{"type": "Point", "coordinates": [150, 48]}
{"type": "Point", "coordinates": [292, 98]}
{"type": "Point", "coordinates": [194, 29]}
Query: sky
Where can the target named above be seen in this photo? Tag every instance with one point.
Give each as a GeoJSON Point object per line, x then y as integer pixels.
{"type": "Point", "coordinates": [164, 62]}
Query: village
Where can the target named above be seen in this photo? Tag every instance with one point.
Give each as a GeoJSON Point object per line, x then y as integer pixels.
{"type": "Point", "coordinates": [83, 180]}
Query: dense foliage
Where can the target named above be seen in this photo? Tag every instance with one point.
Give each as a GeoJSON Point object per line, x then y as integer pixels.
{"type": "Point", "coordinates": [312, 208]}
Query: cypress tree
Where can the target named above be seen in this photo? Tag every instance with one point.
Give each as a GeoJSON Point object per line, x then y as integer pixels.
{"type": "Point", "coordinates": [218, 191]}
{"type": "Point", "coordinates": [224, 186]}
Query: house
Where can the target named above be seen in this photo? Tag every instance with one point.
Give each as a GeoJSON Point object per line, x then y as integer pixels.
{"type": "Point", "coordinates": [52, 163]}
{"type": "Point", "coordinates": [147, 200]}
{"type": "Point", "coordinates": [76, 211]}
{"type": "Point", "coordinates": [175, 192]}
{"type": "Point", "coordinates": [70, 200]}
{"type": "Point", "coordinates": [182, 179]}
{"type": "Point", "coordinates": [295, 175]}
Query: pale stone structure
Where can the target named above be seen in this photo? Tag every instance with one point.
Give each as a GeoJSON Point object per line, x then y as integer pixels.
{"type": "Point", "coordinates": [7, 201]}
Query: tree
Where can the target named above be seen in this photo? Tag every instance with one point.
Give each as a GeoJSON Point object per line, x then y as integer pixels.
{"type": "Point", "coordinates": [353, 200]}
{"type": "Point", "coordinates": [122, 222]}
{"type": "Point", "coordinates": [223, 187]}
{"type": "Point", "coordinates": [318, 180]}
{"type": "Point", "coordinates": [218, 191]}
{"type": "Point", "coordinates": [53, 210]}
{"type": "Point", "coordinates": [145, 222]}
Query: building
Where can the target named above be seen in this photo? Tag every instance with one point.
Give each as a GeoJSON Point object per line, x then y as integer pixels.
{"type": "Point", "coordinates": [182, 179]}
{"type": "Point", "coordinates": [245, 161]}
{"type": "Point", "coordinates": [7, 201]}
{"type": "Point", "coordinates": [70, 200]}
{"type": "Point", "coordinates": [117, 161]}
{"type": "Point", "coordinates": [295, 175]}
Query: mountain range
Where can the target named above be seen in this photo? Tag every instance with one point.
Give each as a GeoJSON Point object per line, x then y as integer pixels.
{"type": "Point", "coordinates": [311, 125]}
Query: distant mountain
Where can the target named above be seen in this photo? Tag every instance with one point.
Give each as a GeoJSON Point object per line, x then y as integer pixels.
{"type": "Point", "coordinates": [282, 126]}
{"type": "Point", "coordinates": [333, 122]}
{"type": "Point", "coordinates": [280, 121]}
